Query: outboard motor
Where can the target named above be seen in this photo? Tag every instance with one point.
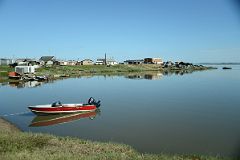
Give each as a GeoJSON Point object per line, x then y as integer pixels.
{"type": "Point", "coordinates": [92, 101]}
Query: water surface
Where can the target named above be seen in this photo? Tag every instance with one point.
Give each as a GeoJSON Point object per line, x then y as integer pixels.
{"type": "Point", "coordinates": [195, 113]}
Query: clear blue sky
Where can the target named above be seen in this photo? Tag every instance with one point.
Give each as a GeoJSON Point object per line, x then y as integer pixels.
{"type": "Point", "coordinates": [188, 30]}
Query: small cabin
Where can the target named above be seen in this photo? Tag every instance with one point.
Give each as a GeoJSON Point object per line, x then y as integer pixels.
{"type": "Point", "coordinates": [153, 61]}
{"type": "Point", "coordinates": [24, 69]}
{"type": "Point", "coordinates": [87, 62]}
{"type": "Point", "coordinates": [138, 61]}
{"type": "Point", "coordinates": [4, 61]}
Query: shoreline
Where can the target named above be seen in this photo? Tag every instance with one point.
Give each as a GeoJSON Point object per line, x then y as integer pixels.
{"type": "Point", "coordinates": [59, 72]}
{"type": "Point", "coordinates": [7, 126]}
{"type": "Point", "coordinates": [16, 144]}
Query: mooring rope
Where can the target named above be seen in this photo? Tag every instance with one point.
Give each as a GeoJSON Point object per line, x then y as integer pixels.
{"type": "Point", "coordinates": [13, 114]}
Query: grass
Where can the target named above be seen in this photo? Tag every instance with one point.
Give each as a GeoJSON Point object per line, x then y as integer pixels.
{"type": "Point", "coordinates": [96, 69]}
{"type": "Point", "coordinates": [41, 146]}
{"type": "Point", "coordinates": [102, 69]}
{"type": "Point", "coordinates": [56, 72]}
{"type": "Point", "coordinates": [19, 145]}
{"type": "Point", "coordinates": [4, 69]}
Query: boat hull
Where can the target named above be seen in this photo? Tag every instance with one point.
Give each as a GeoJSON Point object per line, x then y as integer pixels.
{"type": "Point", "coordinates": [63, 109]}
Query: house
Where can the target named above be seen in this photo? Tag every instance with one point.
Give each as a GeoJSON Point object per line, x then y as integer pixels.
{"type": "Point", "coordinates": [33, 62]}
{"type": "Point", "coordinates": [100, 62]}
{"type": "Point", "coordinates": [4, 61]}
{"type": "Point", "coordinates": [153, 61]}
{"type": "Point", "coordinates": [71, 63]}
{"type": "Point", "coordinates": [63, 63]}
{"type": "Point", "coordinates": [22, 61]}
{"type": "Point", "coordinates": [47, 60]}
{"type": "Point", "coordinates": [24, 69]}
{"type": "Point", "coordinates": [168, 64]}
{"type": "Point", "coordinates": [26, 62]}
{"type": "Point", "coordinates": [87, 62]}
{"type": "Point", "coordinates": [109, 61]}
{"type": "Point", "coordinates": [140, 61]}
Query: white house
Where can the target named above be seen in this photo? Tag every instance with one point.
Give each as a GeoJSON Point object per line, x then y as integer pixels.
{"type": "Point", "coordinates": [63, 63]}
{"type": "Point", "coordinates": [108, 61]}
{"type": "Point", "coordinates": [100, 62]}
{"type": "Point", "coordinates": [24, 69]}
{"type": "Point", "coordinates": [4, 61]}
{"type": "Point", "coordinates": [86, 62]}
{"type": "Point", "coordinates": [111, 62]}
{"type": "Point", "coordinates": [47, 60]}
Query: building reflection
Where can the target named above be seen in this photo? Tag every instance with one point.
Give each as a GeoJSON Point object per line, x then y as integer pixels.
{"type": "Point", "coordinates": [133, 75]}
{"type": "Point", "coordinates": [28, 84]}
{"type": "Point", "coordinates": [147, 75]}
{"type": "Point", "coordinates": [176, 72]}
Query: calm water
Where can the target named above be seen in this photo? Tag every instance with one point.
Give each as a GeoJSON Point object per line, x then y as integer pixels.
{"type": "Point", "coordinates": [197, 113]}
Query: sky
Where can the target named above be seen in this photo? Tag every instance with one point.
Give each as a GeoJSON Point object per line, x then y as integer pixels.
{"type": "Point", "coordinates": [186, 30]}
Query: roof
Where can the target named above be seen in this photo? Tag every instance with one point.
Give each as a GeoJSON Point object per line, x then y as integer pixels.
{"type": "Point", "coordinates": [108, 60]}
{"type": "Point", "coordinates": [87, 60]}
{"type": "Point", "coordinates": [5, 59]}
{"type": "Point", "coordinates": [137, 60]}
{"type": "Point", "coordinates": [46, 58]}
{"type": "Point", "coordinates": [23, 59]}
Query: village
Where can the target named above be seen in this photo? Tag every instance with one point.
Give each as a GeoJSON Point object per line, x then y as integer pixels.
{"type": "Point", "coordinates": [52, 60]}
{"type": "Point", "coordinates": [48, 68]}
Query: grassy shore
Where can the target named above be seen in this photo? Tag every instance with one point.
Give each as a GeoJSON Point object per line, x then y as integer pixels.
{"type": "Point", "coordinates": [95, 69]}
{"type": "Point", "coordinates": [109, 69]}
{"type": "Point", "coordinates": [56, 72]}
{"type": "Point", "coordinates": [15, 144]}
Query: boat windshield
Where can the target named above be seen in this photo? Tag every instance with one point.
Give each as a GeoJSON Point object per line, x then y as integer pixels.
{"type": "Point", "coordinates": [57, 104]}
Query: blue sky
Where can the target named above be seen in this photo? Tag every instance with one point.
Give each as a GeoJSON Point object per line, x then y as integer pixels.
{"type": "Point", "coordinates": [188, 30]}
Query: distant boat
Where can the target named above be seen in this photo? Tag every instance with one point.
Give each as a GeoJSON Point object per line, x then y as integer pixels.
{"type": "Point", "coordinates": [53, 119]}
{"type": "Point", "coordinates": [58, 107]}
{"type": "Point", "coordinates": [14, 75]}
{"type": "Point", "coordinates": [226, 68]}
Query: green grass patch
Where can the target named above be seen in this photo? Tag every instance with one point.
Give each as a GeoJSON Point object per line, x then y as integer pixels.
{"type": "Point", "coordinates": [4, 70]}
{"type": "Point", "coordinates": [32, 146]}
{"type": "Point", "coordinates": [95, 69]}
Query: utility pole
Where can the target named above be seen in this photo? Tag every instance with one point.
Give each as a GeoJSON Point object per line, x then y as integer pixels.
{"type": "Point", "coordinates": [105, 61]}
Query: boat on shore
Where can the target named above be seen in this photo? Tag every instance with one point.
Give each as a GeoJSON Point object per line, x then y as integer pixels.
{"type": "Point", "coordinates": [14, 75]}
{"type": "Point", "coordinates": [58, 107]}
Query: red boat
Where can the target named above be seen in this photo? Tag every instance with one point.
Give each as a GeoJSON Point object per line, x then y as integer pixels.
{"type": "Point", "coordinates": [58, 107]}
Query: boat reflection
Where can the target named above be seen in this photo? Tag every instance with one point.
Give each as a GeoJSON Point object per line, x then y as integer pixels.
{"type": "Point", "coordinates": [53, 119]}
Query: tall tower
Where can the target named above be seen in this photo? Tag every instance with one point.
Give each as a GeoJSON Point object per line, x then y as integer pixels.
{"type": "Point", "coordinates": [105, 59]}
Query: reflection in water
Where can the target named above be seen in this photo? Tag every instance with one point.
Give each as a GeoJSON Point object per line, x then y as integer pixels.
{"type": "Point", "coordinates": [153, 75]}
{"type": "Point", "coordinates": [48, 120]}
{"type": "Point", "coordinates": [177, 72]}
{"type": "Point", "coordinates": [147, 75]}
{"type": "Point", "coordinates": [28, 84]}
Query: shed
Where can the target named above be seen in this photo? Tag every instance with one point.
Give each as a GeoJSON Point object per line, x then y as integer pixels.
{"type": "Point", "coordinates": [153, 61]}
{"type": "Point", "coordinates": [4, 61]}
{"type": "Point", "coordinates": [139, 61]}
{"type": "Point", "coordinates": [24, 69]}
{"type": "Point", "coordinates": [86, 62]}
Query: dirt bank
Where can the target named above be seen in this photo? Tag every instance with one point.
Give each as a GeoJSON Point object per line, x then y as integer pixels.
{"type": "Point", "coordinates": [6, 126]}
